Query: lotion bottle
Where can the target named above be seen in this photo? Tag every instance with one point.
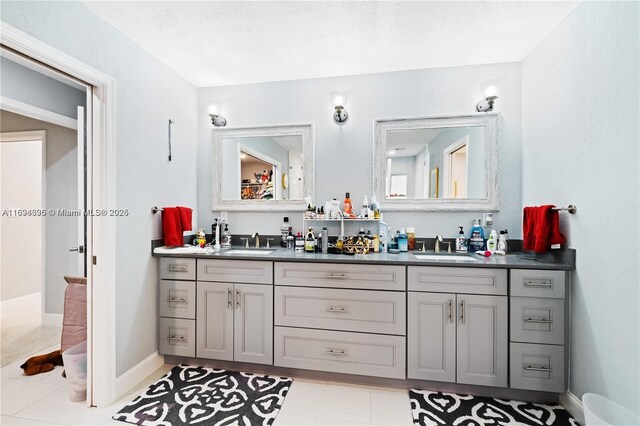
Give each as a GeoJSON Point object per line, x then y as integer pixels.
{"type": "Point", "coordinates": [492, 242]}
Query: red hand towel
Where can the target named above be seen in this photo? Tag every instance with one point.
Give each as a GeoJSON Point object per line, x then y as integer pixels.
{"type": "Point", "coordinates": [185, 218]}
{"type": "Point", "coordinates": [171, 227]}
{"type": "Point", "coordinates": [540, 228]}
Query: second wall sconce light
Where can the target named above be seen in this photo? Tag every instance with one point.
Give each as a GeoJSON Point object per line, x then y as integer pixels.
{"type": "Point", "coordinates": [215, 107]}
{"type": "Point", "coordinates": [490, 91]}
{"type": "Point", "coordinates": [339, 100]}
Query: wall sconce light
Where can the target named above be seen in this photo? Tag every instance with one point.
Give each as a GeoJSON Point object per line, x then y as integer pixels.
{"type": "Point", "coordinates": [490, 91]}
{"type": "Point", "coordinates": [339, 100]}
{"type": "Point", "coordinates": [214, 112]}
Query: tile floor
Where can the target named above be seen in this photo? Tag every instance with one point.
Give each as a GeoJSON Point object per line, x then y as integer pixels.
{"type": "Point", "coordinates": [43, 400]}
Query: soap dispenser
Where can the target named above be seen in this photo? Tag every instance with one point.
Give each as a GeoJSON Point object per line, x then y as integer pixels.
{"type": "Point", "coordinates": [461, 241]}
{"type": "Point", "coordinates": [225, 240]}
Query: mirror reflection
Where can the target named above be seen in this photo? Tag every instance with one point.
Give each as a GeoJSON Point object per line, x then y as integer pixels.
{"type": "Point", "coordinates": [433, 163]}
{"type": "Point", "coordinates": [262, 168]}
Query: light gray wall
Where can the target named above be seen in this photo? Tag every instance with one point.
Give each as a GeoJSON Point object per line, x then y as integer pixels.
{"type": "Point", "coordinates": [344, 152]}
{"type": "Point", "coordinates": [26, 85]}
{"type": "Point", "coordinates": [403, 166]}
{"type": "Point", "coordinates": [62, 193]}
{"type": "Point", "coordinates": [580, 145]}
{"type": "Point", "coordinates": [148, 94]}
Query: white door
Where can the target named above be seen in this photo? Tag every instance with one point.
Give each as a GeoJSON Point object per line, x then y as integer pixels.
{"type": "Point", "coordinates": [81, 247]}
{"type": "Point", "coordinates": [431, 336]}
{"type": "Point", "coordinates": [253, 323]}
{"type": "Point", "coordinates": [482, 340]}
{"type": "Point", "coordinates": [215, 304]}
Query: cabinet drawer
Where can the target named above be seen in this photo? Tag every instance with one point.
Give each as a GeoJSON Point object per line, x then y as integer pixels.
{"type": "Point", "coordinates": [177, 337]}
{"type": "Point", "coordinates": [173, 268]}
{"type": "Point", "coordinates": [373, 277]}
{"type": "Point", "coordinates": [235, 271]}
{"type": "Point", "coordinates": [457, 280]}
{"type": "Point", "coordinates": [340, 352]}
{"type": "Point", "coordinates": [537, 320]}
{"type": "Point", "coordinates": [177, 299]}
{"type": "Point", "coordinates": [537, 367]}
{"type": "Point", "coordinates": [348, 310]}
{"type": "Point", "coordinates": [537, 283]}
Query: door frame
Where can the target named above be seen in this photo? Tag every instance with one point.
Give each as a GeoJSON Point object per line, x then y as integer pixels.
{"type": "Point", "coordinates": [27, 136]}
{"type": "Point", "coordinates": [446, 162]}
{"type": "Point", "coordinates": [101, 194]}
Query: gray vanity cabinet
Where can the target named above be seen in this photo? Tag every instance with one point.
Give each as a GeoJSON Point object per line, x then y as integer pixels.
{"type": "Point", "coordinates": [177, 307]}
{"type": "Point", "coordinates": [235, 320]}
{"type": "Point", "coordinates": [457, 337]}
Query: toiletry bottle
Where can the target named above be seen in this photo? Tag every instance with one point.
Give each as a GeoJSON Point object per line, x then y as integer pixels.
{"type": "Point", "coordinates": [310, 242]}
{"type": "Point", "coordinates": [476, 242]}
{"type": "Point", "coordinates": [299, 242]}
{"type": "Point", "coordinates": [348, 207]}
{"type": "Point", "coordinates": [325, 240]}
{"type": "Point", "coordinates": [364, 213]}
{"type": "Point", "coordinates": [225, 237]}
{"type": "Point", "coordinates": [376, 244]}
{"type": "Point", "coordinates": [411, 239]}
{"type": "Point", "coordinates": [214, 226]}
{"type": "Point", "coordinates": [335, 209]}
{"type": "Point", "coordinates": [291, 244]}
{"type": "Point", "coordinates": [284, 232]}
{"type": "Point", "coordinates": [492, 242]}
{"type": "Point", "coordinates": [402, 240]}
{"type": "Point", "coordinates": [502, 242]}
{"type": "Point", "coordinates": [375, 207]}
{"type": "Point", "coordinates": [384, 238]}
{"type": "Point", "coordinates": [461, 241]}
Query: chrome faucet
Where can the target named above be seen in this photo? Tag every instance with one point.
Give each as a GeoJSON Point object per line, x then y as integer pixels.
{"type": "Point", "coordinates": [438, 241]}
{"type": "Point", "coordinates": [257, 237]}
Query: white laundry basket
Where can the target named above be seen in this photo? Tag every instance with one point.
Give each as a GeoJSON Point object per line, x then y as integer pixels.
{"type": "Point", "coordinates": [599, 410]}
{"type": "Point", "coordinates": [75, 366]}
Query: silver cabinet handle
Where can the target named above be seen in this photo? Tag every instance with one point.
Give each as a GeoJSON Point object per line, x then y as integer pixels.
{"type": "Point", "coordinates": [539, 321]}
{"type": "Point", "coordinates": [178, 268]}
{"type": "Point", "coordinates": [337, 276]}
{"type": "Point", "coordinates": [337, 309]}
{"type": "Point", "coordinates": [238, 299]}
{"type": "Point", "coordinates": [450, 310]}
{"type": "Point", "coordinates": [462, 311]}
{"type": "Point", "coordinates": [229, 302]}
{"type": "Point", "coordinates": [336, 352]}
{"type": "Point", "coordinates": [538, 368]}
{"type": "Point", "coordinates": [177, 300]}
{"type": "Point", "coordinates": [539, 284]}
{"type": "Point", "coordinates": [178, 339]}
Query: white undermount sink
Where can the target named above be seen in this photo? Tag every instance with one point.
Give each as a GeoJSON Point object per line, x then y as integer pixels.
{"type": "Point", "coordinates": [454, 257]}
{"type": "Point", "coordinates": [253, 252]}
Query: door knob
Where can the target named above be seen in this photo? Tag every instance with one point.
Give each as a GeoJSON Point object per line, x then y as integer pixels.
{"type": "Point", "coordinates": [79, 249]}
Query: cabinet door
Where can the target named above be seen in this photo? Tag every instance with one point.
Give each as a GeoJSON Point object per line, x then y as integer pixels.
{"type": "Point", "coordinates": [253, 323]}
{"type": "Point", "coordinates": [214, 317]}
{"type": "Point", "coordinates": [431, 337]}
{"type": "Point", "coordinates": [482, 340]}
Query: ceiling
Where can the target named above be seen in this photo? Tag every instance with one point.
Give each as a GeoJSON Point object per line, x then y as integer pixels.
{"type": "Point", "coordinates": [215, 43]}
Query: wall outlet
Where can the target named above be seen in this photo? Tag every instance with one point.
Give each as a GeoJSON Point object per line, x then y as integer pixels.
{"type": "Point", "coordinates": [224, 216]}
{"type": "Point", "coordinates": [487, 219]}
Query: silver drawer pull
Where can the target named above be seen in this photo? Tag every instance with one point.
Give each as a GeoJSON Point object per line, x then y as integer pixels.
{"type": "Point", "coordinates": [177, 300]}
{"type": "Point", "coordinates": [538, 368]}
{"type": "Point", "coordinates": [539, 284]}
{"type": "Point", "coordinates": [229, 302]}
{"type": "Point", "coordinates": [337, 276]}
{"type": "Point", "coordinates": [539, 321]}
{"type": "Point", "coordinates": [336, 352]}
{"type": "Point", "coordinates": [179, 339]}
{"type": "Point", "coordinates": [450, 310]}
{"type": "Point", "coordinates": [337, 309]}
{"type": "Point", "coordinates": [178, 268]}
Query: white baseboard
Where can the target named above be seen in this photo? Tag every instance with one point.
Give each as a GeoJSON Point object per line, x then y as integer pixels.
{"type": "Point", "coordinates": [573, 405]}
{"type": "Point", "coordinates": [52, 320]}
{"type": "Point", "coordinates": [19, 303]}
{"type": "Point", "coordinates": [127, 380]}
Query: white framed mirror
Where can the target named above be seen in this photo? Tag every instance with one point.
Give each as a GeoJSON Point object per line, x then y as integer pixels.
{"type": "Point", "coordinates": [447, 163]}
{"type": "Point", "coordinates": [264, 168]}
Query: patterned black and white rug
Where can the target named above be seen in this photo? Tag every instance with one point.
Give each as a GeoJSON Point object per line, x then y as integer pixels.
{"type": "Point", "coordinates": [438, 408]}
{"type": "Point", "coordinates": [189, 395]}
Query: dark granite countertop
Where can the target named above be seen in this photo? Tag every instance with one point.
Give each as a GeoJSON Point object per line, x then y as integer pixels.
{"type": "Point", "coordinates": [557, 259]}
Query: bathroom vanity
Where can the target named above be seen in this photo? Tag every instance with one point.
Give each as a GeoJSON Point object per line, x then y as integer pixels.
{"type": "Point", "coordinates": [499, 322]}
